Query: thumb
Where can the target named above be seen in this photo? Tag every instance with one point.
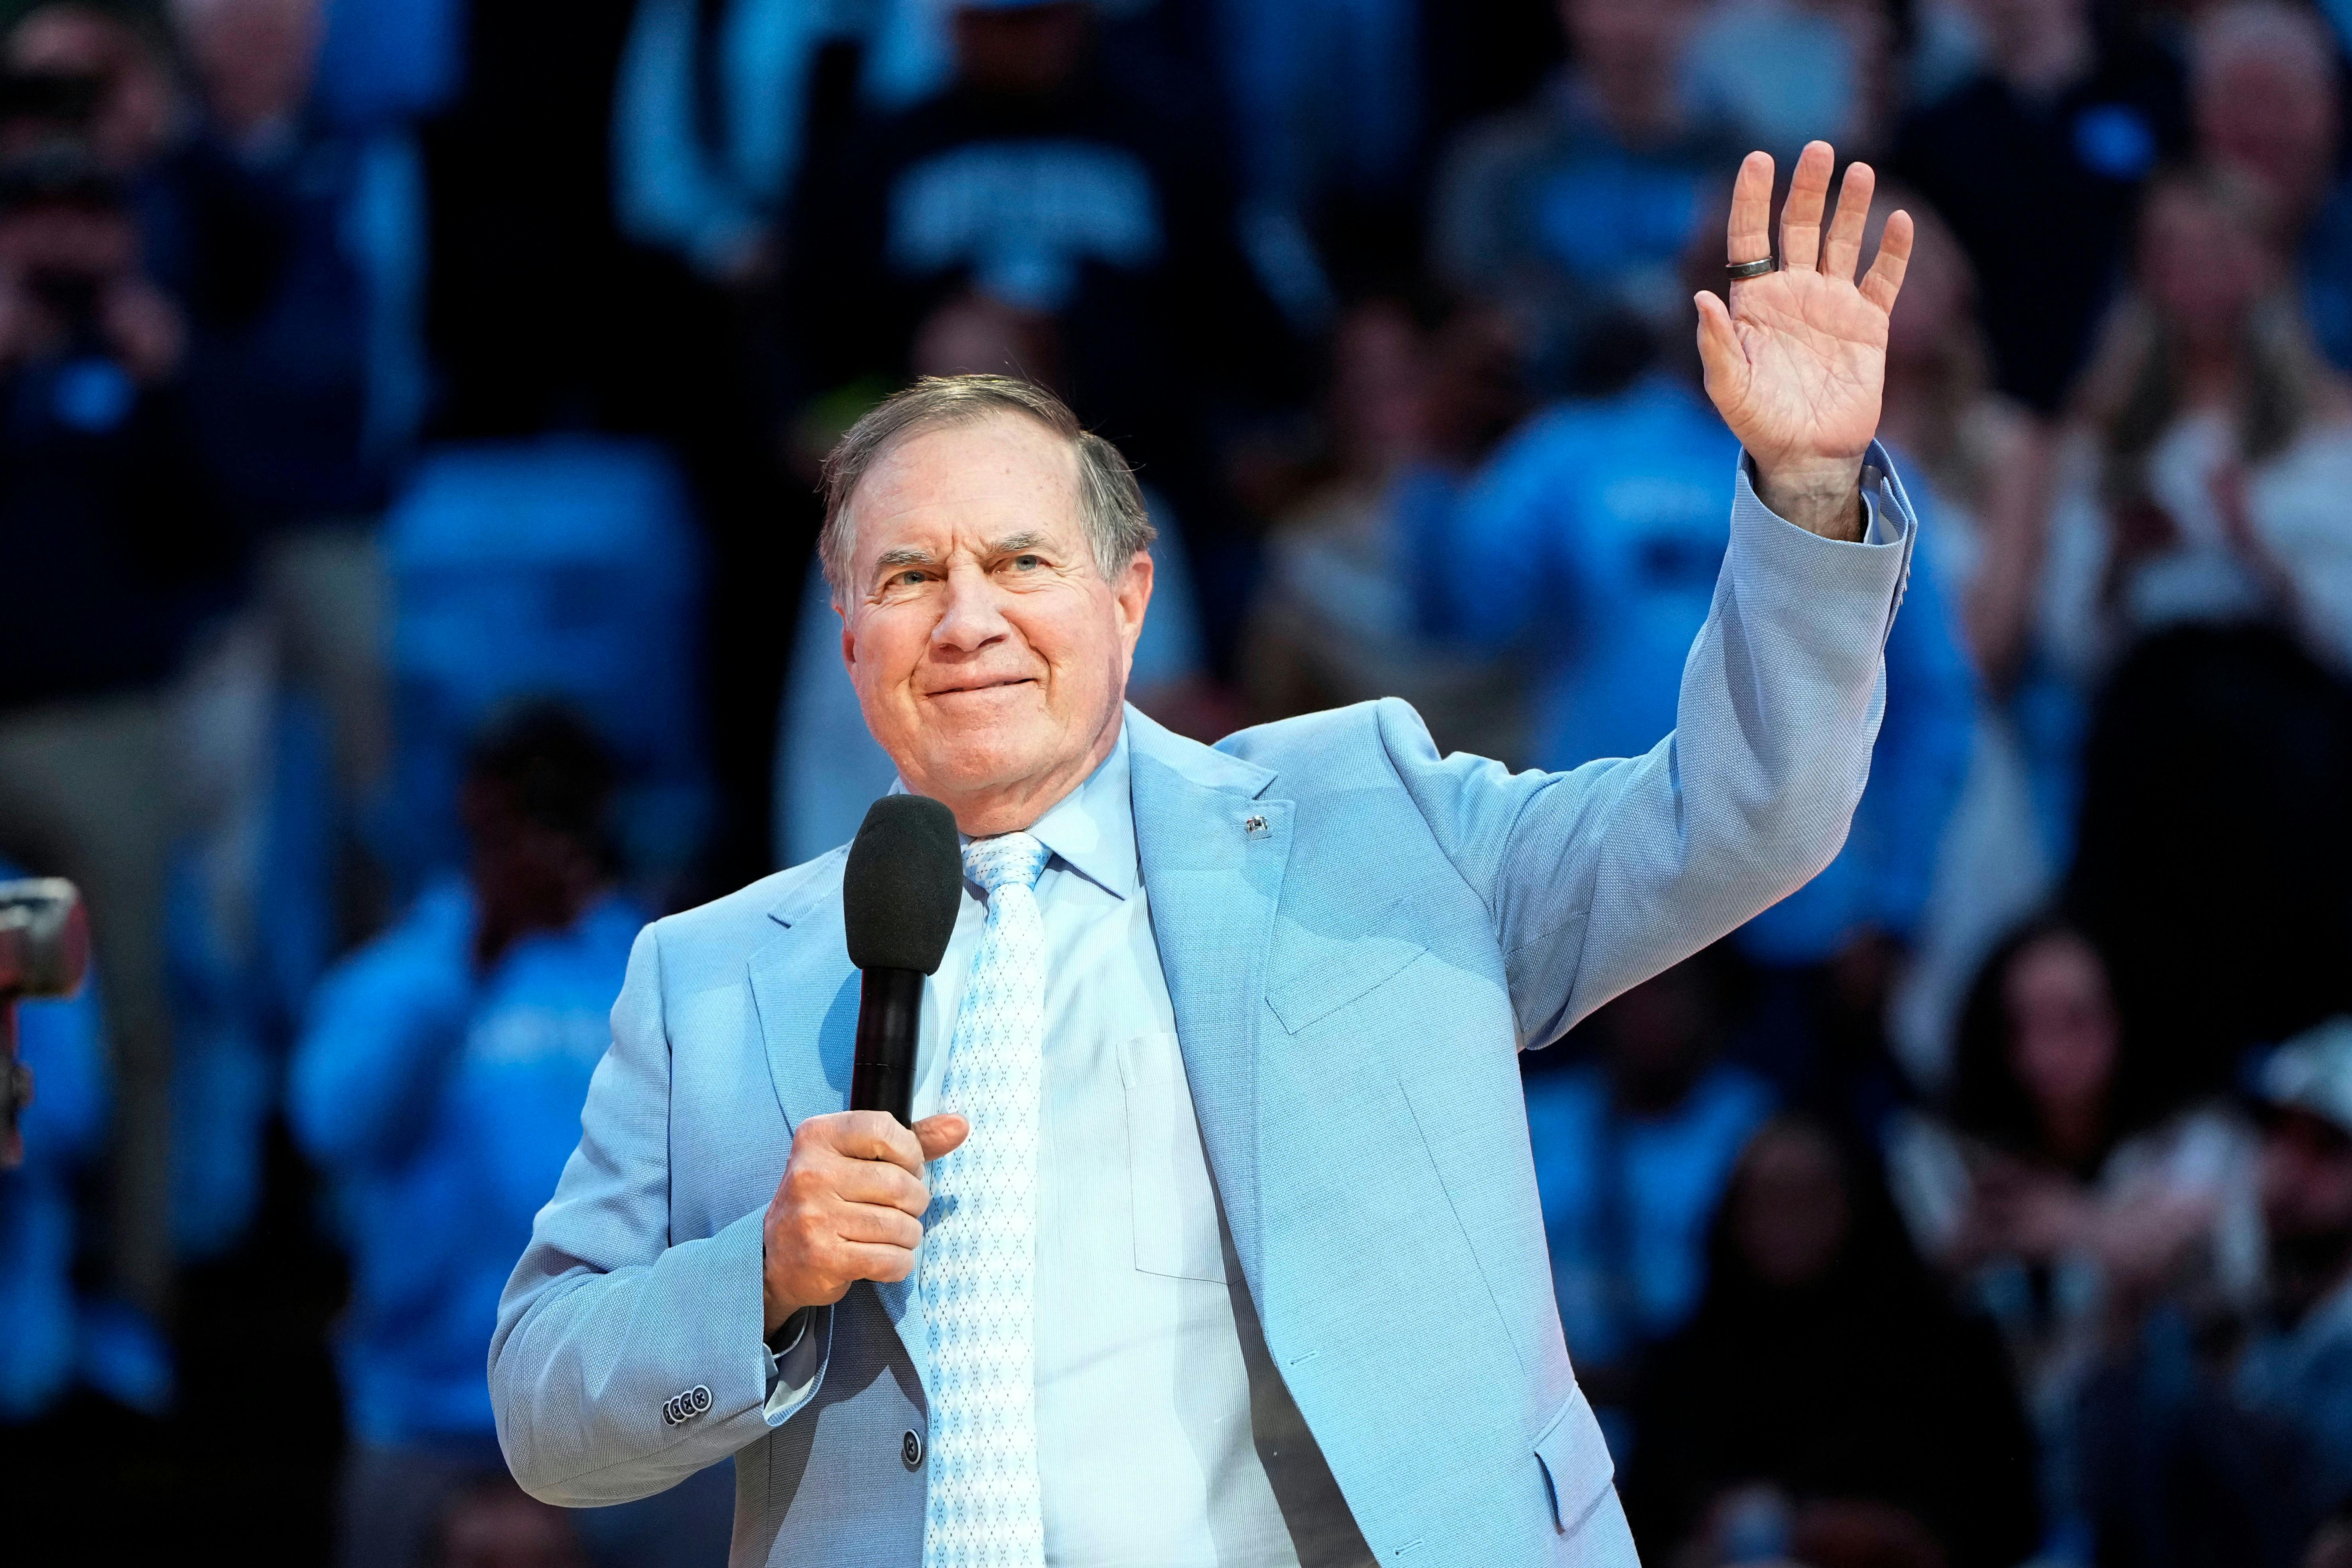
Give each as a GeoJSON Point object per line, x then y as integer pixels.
{"type": "Point", "coordinates": [1719, 347]}
{"type": "Point", "coordinates": [941, 1134]}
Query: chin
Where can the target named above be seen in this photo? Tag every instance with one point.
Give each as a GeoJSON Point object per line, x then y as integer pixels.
{"type": "Point", "coordinates": [983, 759]}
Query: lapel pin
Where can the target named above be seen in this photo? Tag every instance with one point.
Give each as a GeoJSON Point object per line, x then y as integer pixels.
{"type": "Point", "coordinates": [1254, 827]}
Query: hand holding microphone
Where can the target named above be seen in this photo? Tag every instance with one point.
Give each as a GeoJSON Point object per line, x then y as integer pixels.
{"type": "Point", "coordinates": [850, 1204]}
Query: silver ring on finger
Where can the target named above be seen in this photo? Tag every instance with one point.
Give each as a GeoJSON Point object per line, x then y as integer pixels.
{"type": "Point", "coordinates": [1739, 271]}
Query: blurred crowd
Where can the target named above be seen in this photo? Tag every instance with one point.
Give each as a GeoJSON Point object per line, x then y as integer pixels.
{"type": "Point", "coordinates": [408, 416]}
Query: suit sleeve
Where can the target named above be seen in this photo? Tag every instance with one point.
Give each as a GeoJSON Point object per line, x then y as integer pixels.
{"type": "Point", "coordinates": [1596, 879]}
{"type": "Point", "coordinates": [622, 1363]}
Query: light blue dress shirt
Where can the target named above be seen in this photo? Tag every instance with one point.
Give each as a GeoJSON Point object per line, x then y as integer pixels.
{"type": "Point", "coordinates": [1144, 1440]}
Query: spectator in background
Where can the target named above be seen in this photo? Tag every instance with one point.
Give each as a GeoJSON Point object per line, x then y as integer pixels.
{"type": "Point", "coordinates": [282, 394]}
{"type": "Point", "coordinates": [129, 108]}
{"type": "Point", "coordinates": [438, 1086]}
{"type": "Point", "coordinates": [1047, 178]}
{"type": "Point", "coordinates": [1607, 506]}
{"type": "Point", "coordinates": [2268, 101]}
{"type": "Point", "coordinates": [2298, 1370]}
{"type": "Point", "coordinates": [1786, 72]}
{"type": "Point", "coordinates": [118, 555]}
{"type": "Point", "coordinates": [2036, 162]}
{"type": "Point", "coordinates": [1338, 614]}
{"type": "Point", "coordinates": [1825, 1364]}
{"type": "Point", "coordinates": [1978, 465]}
{"type": "Point", "coordinates": [1632, 1151]}
{"type": "Point", "coordinates": [2062, 1195]}
{"type": "Point", "coordinates": [710, 125]}
{"type": "Point", "coordinates": [64, 1129]}
{"type": "Point", "coordinates": [2201, 576]}
{"type": "Point", "coordinates": [1574, 210]}
{"type": "Point", "coordinates": [2197, 1457]}
{"type": "Point", "coordinates": [2217, 445]}
{"type": "Point", "coordinates": [1328, 108]}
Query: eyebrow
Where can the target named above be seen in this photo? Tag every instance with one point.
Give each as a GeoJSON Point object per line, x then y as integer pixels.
{"type": "Point", "coordinates": [916, 554]}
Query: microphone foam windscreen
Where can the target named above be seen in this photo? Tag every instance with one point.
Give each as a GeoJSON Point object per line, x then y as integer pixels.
{"type": "Point", "coordinates": [902, 888]}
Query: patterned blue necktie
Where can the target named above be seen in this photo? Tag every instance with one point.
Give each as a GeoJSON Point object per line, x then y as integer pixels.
{"type": "Point", "coordinates": [980, 1253]}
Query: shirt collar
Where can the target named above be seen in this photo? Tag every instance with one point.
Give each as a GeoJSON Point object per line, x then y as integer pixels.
{"type": "Point", "coordinates": [1091, 830]}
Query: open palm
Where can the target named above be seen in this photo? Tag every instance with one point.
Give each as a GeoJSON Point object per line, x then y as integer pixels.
{"type": "Point", "coordinates": [1796, 362]}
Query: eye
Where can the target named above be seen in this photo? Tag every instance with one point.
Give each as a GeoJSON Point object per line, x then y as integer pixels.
{"type": "Point", "coordinates": [912, 578]}
{"type": "Point", "coordinates": [1027, 562]}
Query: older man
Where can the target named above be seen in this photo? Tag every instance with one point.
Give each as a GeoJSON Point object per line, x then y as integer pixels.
{"type": "Point", "coordinates": [1229, 1251]}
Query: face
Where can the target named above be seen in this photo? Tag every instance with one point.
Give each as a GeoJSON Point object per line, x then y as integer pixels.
{"type": "Point", "coordinates": [1611, 39]}
{"type": "Point", "coordinates": [1938, 291]}
{"type": "Point", "coordinates": [2063, 1034]}
{"type": "Point", "coordinates": [2306, 1179]}
{"type": "Point", "coordinates": [253, 55]}
{"type": "Point", "coordinates": [1379, 383]}
{"type": "Point", "coordinates": [2013, 24]}
{"type": "Point", "coordinates": [1025, 49]}
{"type": "Point", "coordinates": [133, 118]}
{"type": "Point", "coordinates": [2202, 265]}
{"type": "Point", "coordinates": [990, 655]}
{"type": "Point", "coordinates": [2271, 114]}
{"type": "Point", "coordinates": [1790, 1215]}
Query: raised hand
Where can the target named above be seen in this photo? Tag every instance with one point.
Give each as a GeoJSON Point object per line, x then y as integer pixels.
{"type": "Point", "coordinates": [1795, 364]}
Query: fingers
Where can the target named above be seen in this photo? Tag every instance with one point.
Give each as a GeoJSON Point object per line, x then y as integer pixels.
{"type": "Point", "coordinates": [941, 1134]}
{"type": "Point", "coordinates": [872, 1136]}
{"type": "Point", "coordinates": [1749, 235]}
{"type": "Point", "coordinates": [866, 1260]}
{"type": "Point", "coordinates": [868, 1224]}
{"type": "Point", "coordinates": [1801, 216]}
{"type": "Point", "coordinates": [1720, 353]}
{"type": "Point", "coordinates": [1885, 279]}
{"type": "Point", "coordinates": [1842, 249]}
{"type": "Point", "coordinates": [878, 1182]}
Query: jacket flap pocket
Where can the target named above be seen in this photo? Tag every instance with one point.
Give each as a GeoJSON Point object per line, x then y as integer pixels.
{"type": "Point", "coordinates": [1576, 1462]}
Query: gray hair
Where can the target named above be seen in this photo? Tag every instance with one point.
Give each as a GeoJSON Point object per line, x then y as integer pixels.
{"type": "Point", "coordinates": [1110, 503]}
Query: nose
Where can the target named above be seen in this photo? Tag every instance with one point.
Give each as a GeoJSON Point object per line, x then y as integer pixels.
{"type": "Point", "coordinates": [973, 616]}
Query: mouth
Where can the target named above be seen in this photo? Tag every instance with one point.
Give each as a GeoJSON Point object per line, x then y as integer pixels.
{"type": "Point", "coordinates": [981, 688]}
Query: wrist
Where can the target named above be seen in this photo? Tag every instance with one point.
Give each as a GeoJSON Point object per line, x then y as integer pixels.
{"type": "Point", "coordinates": [1821, 497]}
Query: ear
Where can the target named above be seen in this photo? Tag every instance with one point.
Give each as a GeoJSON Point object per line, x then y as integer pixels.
{"type": "Point", "coordinates": [1132, 594]}
{"type": "Point", "coordinates": [848, 640]}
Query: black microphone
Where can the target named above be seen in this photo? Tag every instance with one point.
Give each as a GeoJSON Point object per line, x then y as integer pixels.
{"type": "Point", "coordinates": [898, 899]}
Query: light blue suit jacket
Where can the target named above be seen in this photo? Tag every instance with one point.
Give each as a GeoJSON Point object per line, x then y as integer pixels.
{"type": "Point", "coordinates": [1358, 936]}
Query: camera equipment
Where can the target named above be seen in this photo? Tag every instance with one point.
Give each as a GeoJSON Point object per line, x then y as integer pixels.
{"type": "Point", "coordinates": [43, 948]}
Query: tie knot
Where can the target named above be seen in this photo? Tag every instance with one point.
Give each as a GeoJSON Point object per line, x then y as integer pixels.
{"type": "Point", "coordinates": [1006, 858]}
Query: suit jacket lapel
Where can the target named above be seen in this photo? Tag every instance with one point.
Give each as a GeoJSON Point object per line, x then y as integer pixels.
{"type": "Point", "coordinates": [807, 991]}
{"type": "Point", "coordinates": [1213, 850]}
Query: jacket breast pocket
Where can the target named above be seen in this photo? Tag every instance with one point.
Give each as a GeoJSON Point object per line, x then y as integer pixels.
{"type": "Point", "coordinates": [1176, 1227]}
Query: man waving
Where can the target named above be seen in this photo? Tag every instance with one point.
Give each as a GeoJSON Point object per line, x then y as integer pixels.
{"type": "Point", "coordinates": [1215, 1240]}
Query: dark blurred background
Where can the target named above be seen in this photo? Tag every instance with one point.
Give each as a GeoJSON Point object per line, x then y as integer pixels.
{"type": "Point", "coordinates": [408, 416]}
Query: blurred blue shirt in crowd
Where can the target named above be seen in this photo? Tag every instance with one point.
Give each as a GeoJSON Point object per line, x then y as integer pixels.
{"type": "Point", "coordinates": [40, 1337]}
{"type": "Point", "coordinates": [1627, 1199]}
{"type": "Point", "coordinates": [442, 1103]}
{"type": "Point", "coordinates": [2328, 278]}
{"type": "Point", "coordinates": [1596, 533]}
{"type": "Point", "coordinates": [1549, 212]}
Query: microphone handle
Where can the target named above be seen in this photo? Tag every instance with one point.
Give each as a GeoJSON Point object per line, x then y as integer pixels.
{"type": "Point", "coordinates": [890, 1013]}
